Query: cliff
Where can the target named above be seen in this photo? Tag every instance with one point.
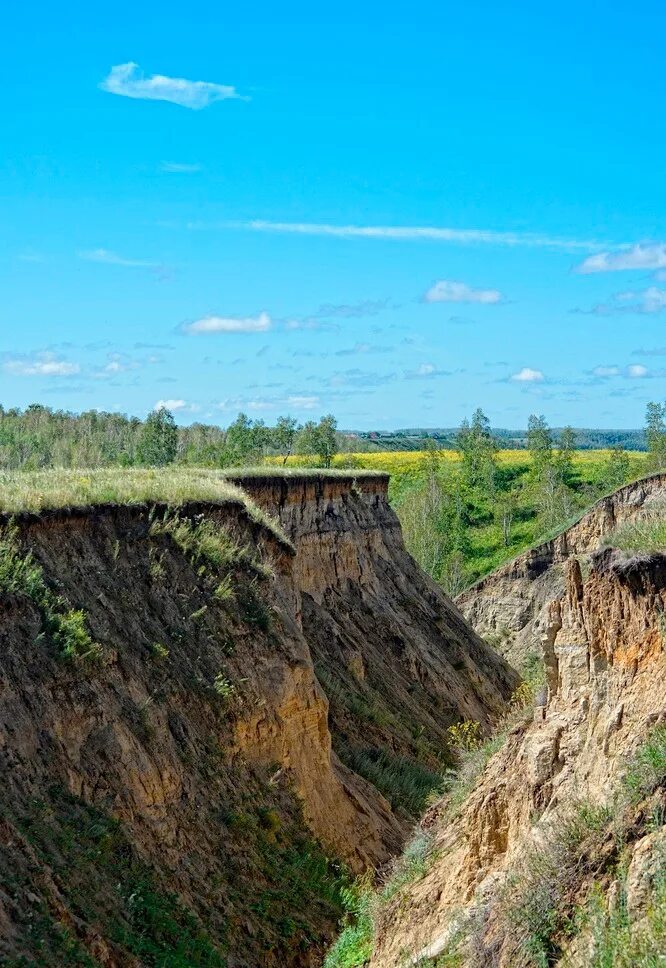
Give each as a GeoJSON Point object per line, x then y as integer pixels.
{"type": "Point", "coordinates": [171, 795]}
{"type": "Point", "coordinates": [553, 850]}
{"type": "Point", "coordinates": [510, 607]}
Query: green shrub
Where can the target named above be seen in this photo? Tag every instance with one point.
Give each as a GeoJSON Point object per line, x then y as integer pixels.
{"type": "Point", "coordinates": [224, 687]}
{"type": "Point", "coordinates": [647, 767]}
{"type": "Point", "coordinates": [21, 574]}
{"type": "Point", "coordinates": [411, 866]}
{"type": "Point", "coordinates": [405, 782]}
{"type": "Point", "coordinates": [70, 634]}
{"type": "Point", "coordinates": [355, 943]}
{"type": "Point", "coordinates": [620, 943]}
{"type": "Point", "coordinates": [536, 900]}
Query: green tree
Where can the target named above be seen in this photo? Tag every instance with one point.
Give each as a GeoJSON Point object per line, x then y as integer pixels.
{"type": "Point", "coordinates": [319, 439]}
{"type": "Point", "coordinates": [655, 433]}
{"type": "Point", "coordinates": [284, 436]}
{"type": "Point", "coordinates": [477, 448]}
{"type": "Point", "coordinates": [617, 468]}
{"type": "Point", "coordinates": [158, 444]}
{"type": "Point", "coordinates": [539, 444]}
{"type": "Point", "coordinates": [565, 454]}
{"type": "Point", "coordinates": [244, 442]}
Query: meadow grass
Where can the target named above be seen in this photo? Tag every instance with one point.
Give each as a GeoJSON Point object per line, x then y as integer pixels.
{"type": "Point", "coordinates": [36, 491]}
{"type": "Point", "coordinates": [645, 534]}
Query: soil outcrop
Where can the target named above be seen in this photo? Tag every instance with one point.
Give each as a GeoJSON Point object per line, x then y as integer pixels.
{"type": "Point", "coordinates": [192, 718]}
{"type": "Point", "coordinates": [561, 831]}
{"type": "Point", "coordinates": [510, 606]}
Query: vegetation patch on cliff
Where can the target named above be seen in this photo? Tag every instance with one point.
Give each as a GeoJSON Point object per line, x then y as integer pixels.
{"type": "Point", "coordinates": [21, 574]}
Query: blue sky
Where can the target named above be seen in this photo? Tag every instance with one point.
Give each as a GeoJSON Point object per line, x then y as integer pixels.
{"type": "Point", "coordinates": [394, 213]}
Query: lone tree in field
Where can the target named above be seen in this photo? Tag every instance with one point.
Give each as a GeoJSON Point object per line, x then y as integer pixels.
{"type": "Point", "coordinates": [158, 444]}
{"type": "Point", "coordinates": [655, 433]}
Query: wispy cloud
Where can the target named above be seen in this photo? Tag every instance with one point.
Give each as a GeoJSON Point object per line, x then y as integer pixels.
{"type": "Point", "coordinates": [649, 301]}
{"type": "Point", "coordinates": [296, 401]}
{"type": "Point", "coordinates": [360, 348]}
{"type": "Point", "coordinates": [425, 371]}
{"type": "Point", "coordinates": [229, 324]}
{"type": "Point", "coordinates": [655, 351]}
{"type": "Point", "coordinates": [128, 80]}
{"type": "Point", "coordinates": [413, 233]}
{"type": "Point", "coordinates": [606, 371]}
{"type": "Point", "coordinates": [176, 406]}
{"type": "Point", "coordinates": [528, 375]}
{"type": "Point", "coordinates": [106, 257]}
{"type": "Point", "coordinates": [460, 292]}
{"type": "Point", "coordinates": [636, 257]}
{"type": "Point", "coordinates": [39, 364]}
{"type": "Point", "coordinates": [180, 168]}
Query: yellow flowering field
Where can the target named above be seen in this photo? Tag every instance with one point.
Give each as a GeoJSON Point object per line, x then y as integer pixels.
{"type": "Point", "coordinates": [401, 462]}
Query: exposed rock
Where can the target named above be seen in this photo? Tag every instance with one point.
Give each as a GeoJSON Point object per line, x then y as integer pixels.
{"type": "Point", "coordinates": [510, 607]}
{"type": "Point", "coordinates": [607, 676]}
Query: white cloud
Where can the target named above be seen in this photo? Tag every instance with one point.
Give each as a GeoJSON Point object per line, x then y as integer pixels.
{"type": "Point", "coordinates": [424, 371]}
{"type": "Point", "coordinates": [303, 403]}
{"type": "Point", "coordinates": [229, 324]}
{"type": "Point", "coordinates": [636, 371]}
{"type": "Point", "coordinates": [129, 81]}
{"type": "Point", "coordinates": [635, 257]}
{"type": "Point", "coordinates": [411, 233]}
{"type": "Point", "coordinates": [180, 168]}
{"type": "Point", "coordinates": [650, 300]}
{"type": "Point", "coordinates": [298, 402]}
{"type": "Point", "coordinates": [175, 405]}
{"type": "Point", "coordinates": [528, 375]}
{"type": "Point", "coordinates": [606, 371]}
{"type": "Point", "coordinates": [447, 291]}
{"type": "Point", "coordinates": [106, 257]}
{"type": "Point", "coordinates": [41, 364]}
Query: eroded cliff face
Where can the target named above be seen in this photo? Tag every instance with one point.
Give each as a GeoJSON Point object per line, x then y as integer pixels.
{"type": "Point", "coordinates": [540, 826]}
{"type": "Point", "coordinates": [510, 606]}
{"type": "Point", "coordinates": [179, 794]}
{"type": "Point", "coordinates": [394, 655]}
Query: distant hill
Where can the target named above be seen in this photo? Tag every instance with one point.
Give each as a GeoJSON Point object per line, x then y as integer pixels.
{"type": "Point", "coordinates": [412, 438]}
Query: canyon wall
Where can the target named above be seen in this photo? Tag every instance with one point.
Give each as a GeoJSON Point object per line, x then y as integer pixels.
{"type": "Point", "coordinates": [175, 789]}
{"type": "Point", "coordinates": [540, 824]}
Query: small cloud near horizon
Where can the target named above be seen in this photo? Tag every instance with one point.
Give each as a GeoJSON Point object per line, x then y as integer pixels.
{"type": "Point", "coordinates": [39, 364]}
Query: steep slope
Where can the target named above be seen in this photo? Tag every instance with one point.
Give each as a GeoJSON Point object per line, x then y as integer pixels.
{"type": "Point", "coordinates": [170, 795]}
{"type": "Point", "coordinates": [509, 607]}
{"type": "Point", "coordinates": [557, 855]}
{"type": "Point", "coordinates": [393, 654]}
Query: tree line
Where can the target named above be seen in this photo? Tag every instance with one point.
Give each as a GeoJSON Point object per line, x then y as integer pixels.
{"type": "Point", "coordinates": [463, 519]}
{"type": "Point", "coordinates": [39, 437]}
